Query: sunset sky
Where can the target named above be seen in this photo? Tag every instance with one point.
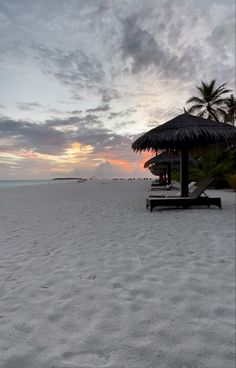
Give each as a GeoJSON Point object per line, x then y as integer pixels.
{"type": "Point", "coordinates": [82, 79]}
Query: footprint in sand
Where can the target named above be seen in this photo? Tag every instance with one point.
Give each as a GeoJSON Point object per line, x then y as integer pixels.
{"type": "Point", "coordinates": [86, 358]}
{"type": "Point", "coordinates": [23, 327]}
{"type": "Point", "coordinates": [92, 277]}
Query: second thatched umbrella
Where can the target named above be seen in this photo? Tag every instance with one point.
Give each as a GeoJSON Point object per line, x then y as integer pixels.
{"type": "Point", "coordinates": [183, 133]}
{"type": "Point", "coordinates": [166, 159]}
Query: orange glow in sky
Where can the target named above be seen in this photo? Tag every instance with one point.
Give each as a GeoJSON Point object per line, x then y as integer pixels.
{"type": "Point", "coordinates": [74, 154]}
{"type": "Point", "coordinates": [74, 157]}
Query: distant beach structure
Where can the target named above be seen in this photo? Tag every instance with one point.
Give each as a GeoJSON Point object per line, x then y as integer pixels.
{"type": "Point", "coordinates": [69, 179]}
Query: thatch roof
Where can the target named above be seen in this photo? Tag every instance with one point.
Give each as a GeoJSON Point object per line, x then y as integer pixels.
{"type": "Point", "coordinates": [155, 170]}
{"type": "Point", "coordinates": [187, 131]}
{"type": "Point", "coordinates": [162, 158]}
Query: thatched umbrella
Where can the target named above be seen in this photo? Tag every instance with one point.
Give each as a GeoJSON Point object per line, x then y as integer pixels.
{"type": "Point", "coordinates": [157, 170]}
{"type": "Point", "coordinates": [165, 158]}
{"type": "Point", "coordinates": [183, 133]}
{"type": "Point", "coordinates": [162, 158]}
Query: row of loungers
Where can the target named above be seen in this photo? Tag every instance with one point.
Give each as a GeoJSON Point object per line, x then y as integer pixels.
{"type": "Point", "coordinates": [196, 198]}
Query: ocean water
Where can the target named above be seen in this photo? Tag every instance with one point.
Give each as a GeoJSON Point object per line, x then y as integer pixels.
{"type": "Point", "coordinates": [16, 183]}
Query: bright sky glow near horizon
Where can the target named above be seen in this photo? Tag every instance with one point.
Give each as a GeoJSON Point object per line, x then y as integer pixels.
{"type": "Point", "coordinates": [82, 79]}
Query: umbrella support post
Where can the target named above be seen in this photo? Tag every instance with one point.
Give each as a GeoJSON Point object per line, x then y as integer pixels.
{"type": "Point", "coordinates": [184, 172]}
{"type": "Point", "coordinates": [169, 173]}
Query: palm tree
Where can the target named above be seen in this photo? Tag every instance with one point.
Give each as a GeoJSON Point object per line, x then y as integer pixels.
{"type": "Point", "coordinates": [231, 109]}
{"type": "Point", "coordinates": [210, 103]}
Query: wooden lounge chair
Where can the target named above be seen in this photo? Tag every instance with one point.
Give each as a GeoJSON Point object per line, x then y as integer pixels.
{"type": "Point", "coordinates": [191, 187]}
{"type": "Point", "coordinates": [173, 185]}
{"type": "Point", "coordinates": [196, 198]}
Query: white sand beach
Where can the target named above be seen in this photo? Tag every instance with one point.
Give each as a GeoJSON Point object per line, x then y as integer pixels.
{"type": "Point", "coordinates": [90, 279]}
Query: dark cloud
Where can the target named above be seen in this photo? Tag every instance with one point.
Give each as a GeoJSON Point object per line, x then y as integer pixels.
{"type": "Point", "coordinates": [88, 120]}
{"type": "Point", "coordinates": [147, 54]}
{"type": "Point", "coordinates": [101, 108]}
{"type": "Point", "coordinates": [121, 114]}
{"type": "Point", "coordinates": [140, 46]}
{"type": "Point", "coordinates": [28, 106]}
{"type": "Point", "coordinates": [164, 51]}
{"type": "Point", "coordinates": [76, 96]}
{"type": "Point", "coordinates": [51, 138]}
{"type": "Point", "coordinates": [41, 137]}
{"type": "Point", "coordinates": [123, 124]}
{"type": "Point", "coordinates": [101, 139]}
{"type": "Point", "coordinates": [56, 111]}
{"type": "Point", "coordinates": [74, 112]}
{"type": "Point", "coordinates": [81, 124]}
{"type": "Point", "coordinates": [109, 94]}
{"type": "Point", "coordinates": [222, 38]}
{"type": "Point", "coordinates": [75, 68]}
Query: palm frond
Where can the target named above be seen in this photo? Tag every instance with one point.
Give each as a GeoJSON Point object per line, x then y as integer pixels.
{"type": "Point", "coordinates": [202, 113]}
{"type": "Point", "coordinates": [194, 108]}
{"type": "Point", "coordinates": [220, 101]}
{"type": "Point", "coordinates": [211, 100]}
{"type": "Point", "coordinates": [213, 114]}
{"type": "Point", "coordinates": [201, 90]}
{"type": "Point", "coordinates": [195, 99]}
{"type": "Point", "coordinates": [231, 102]}
{"type": "Point", "coordinates": [222, 112]}
{"type": "Point", "coordinates": [220, 91]}
{"type": "Point", "coordinates": [211, 85]}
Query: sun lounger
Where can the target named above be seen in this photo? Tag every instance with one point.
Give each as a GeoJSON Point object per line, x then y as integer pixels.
{"type": "Point", "coordinates": [191, 187]}
{"type": "Point", "coordinates": [196, 198]}
{"type": "Point", "coordinates": [156, 187]}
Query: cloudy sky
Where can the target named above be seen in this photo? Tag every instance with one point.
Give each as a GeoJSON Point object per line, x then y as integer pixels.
{"type": "Point", "coordinates": [81, 79]}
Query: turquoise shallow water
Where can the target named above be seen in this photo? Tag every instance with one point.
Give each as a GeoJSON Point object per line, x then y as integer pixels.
{"type": "Point", "coordinates": [16, 183]}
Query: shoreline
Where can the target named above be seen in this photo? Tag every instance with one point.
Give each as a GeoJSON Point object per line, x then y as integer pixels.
{"type": "Point", "coordinates": [18, 183]}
